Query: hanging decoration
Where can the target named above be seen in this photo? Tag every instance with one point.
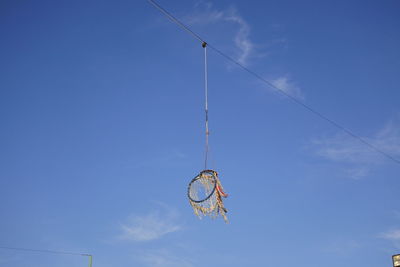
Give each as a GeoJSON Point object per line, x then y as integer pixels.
{"type": "Point", "coordinates": [205, 191]}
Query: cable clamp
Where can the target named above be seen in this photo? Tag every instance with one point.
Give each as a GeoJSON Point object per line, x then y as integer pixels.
{"type": "Point", "coordinates": [204, 44]}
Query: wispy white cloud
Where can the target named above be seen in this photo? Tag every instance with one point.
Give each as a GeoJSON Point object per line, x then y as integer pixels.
{"type": "Point", "coordinates": [210, 15]}
{"type": "Point", "coordinates": [393, 235]}
{"type": "Point", "coordinates": [246, 49]}
{"type": "Point", "coordinates": [162, 258]}
{"type": "Point", "coordinates": [357, 173]}
{"type": "Point", "coordinates": [151, 226]}
{"type": "Point", "coordinates": [242, 40]}
{"type": "Point", "coordinates": [359, 158]}
{"type": "Point", "coordinates": [342, 246]}
{"type": "Point", "coordinates": [343, 148]}
{"type": "Point", "coordinates": [171, 157]}
{"type": "Point", "coordinates": [396, 214]}
{"type": "Point", "coordinates": [286, 85]}
{"type": "Point", "coordinates": [388, 138]}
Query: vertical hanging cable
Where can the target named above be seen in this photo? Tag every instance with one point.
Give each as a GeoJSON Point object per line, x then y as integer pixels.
{"type": "Point", "coordinates": [204, 45]}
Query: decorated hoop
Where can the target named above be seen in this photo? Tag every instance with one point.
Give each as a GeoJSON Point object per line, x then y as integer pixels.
{"type": "Point", "coordinates": [205, 191]}
{"type": "Point", "coordinates": [205, 194]}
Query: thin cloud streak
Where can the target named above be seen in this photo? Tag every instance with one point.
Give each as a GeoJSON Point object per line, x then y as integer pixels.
{"type": "Point", "coordinates": [358, 173]}
{"type": "Point", "coordinates": [287, 86]}
{"type": "Point", "coordinates": [151, 226]}
{"type": "Point", "coordinates": [393, 235]}
{"type": "Point", "coordinates": [343, 148]}
{"type": "Point", "coordinates": [245, 47]}
{"type": "Point", "coordinates": [242, 40]}
{"type": "Point", "coordinates": [162, 258]}
{"type": "Point", "coordinates": [361, 159]}
{"type": "Point", "coordinates": [342, 246]}
{"type": "Point", "coordinates": [172, 157]}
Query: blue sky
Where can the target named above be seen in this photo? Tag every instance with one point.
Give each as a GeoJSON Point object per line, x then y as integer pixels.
{"type": "Point", "coordinates": [101, 112]}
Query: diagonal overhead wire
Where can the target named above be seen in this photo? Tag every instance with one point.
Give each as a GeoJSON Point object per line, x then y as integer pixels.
{"type": "Point", "coordinates": [176, 21]}
{"type": "Point", "coordinates": [45, 251]}
{"type": "Point", "coordinates": [270, 84]}
{"type": "Point", "coordinates": [52, 252]}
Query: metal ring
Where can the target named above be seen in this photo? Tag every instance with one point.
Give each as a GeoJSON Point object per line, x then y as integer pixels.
{"type": "Point", "coordinates": [213, 175]}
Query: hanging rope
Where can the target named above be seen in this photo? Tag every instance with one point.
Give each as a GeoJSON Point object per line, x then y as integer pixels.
{"type": "Point", "coordinates": [204, 45]}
